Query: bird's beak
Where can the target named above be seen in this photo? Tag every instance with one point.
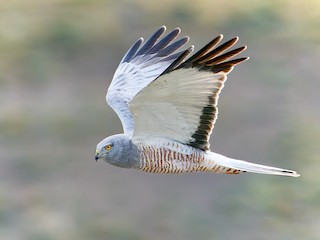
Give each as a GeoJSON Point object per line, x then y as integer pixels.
{"type": "Point", "coordinates": [96, 157]}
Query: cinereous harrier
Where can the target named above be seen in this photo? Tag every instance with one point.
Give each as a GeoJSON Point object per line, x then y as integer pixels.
{"type": "Point", "coordinates": [168, 107]}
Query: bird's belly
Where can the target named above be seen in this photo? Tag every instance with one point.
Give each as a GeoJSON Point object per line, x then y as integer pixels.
{"type": "Point", "coordinates": [172, 160]}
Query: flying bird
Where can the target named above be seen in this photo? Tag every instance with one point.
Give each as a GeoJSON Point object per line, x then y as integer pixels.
{"type": "Point", "coordinates": [167, 104]}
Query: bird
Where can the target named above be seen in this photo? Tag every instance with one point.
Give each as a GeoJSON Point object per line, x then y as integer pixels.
{"type": "Point", "coordinates": [167, 104]}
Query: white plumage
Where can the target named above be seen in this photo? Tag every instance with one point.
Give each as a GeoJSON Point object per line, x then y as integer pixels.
{"type": "Point", "coordinates": [137, 69]}
{"type": "Point", "coordinates": [171, 106]}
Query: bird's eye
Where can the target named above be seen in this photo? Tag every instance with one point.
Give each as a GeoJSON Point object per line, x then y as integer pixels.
{"type": "Point", "coordinates": [108, 147]}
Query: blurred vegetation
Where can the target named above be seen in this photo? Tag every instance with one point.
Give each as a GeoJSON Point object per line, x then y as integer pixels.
{"type": "Point", "coordinates": [57, 59]}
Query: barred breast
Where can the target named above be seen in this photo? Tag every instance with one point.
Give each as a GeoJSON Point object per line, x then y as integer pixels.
{"type": "Point", "coordinates": [177, 158]}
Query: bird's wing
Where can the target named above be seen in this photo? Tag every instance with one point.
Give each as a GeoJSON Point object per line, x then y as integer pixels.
{"type": "Point", "coordinates": [141, 65]}
{"type": "Point", "coordinates": [181, 104]}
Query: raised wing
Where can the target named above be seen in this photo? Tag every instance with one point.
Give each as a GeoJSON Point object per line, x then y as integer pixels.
{"type": "Point", "coordinates": [181, 104]}
{"type": "Point", "coordinates": [140, 66]}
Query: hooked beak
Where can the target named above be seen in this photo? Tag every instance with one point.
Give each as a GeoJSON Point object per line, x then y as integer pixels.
{"type": "Point", "coordinates": [96, 157]}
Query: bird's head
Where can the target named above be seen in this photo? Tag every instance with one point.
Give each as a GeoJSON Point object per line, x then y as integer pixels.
{"type": "Point", "coordinates": [115, 150]}
{"type": "Point", "coordinates": [105, 149]}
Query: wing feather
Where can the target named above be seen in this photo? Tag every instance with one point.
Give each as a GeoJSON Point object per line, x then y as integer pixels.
{"type": "Point", "coordinates": [164, 41]}
{"type": "Point", "coordinates": [141, 65]}
{"type": "Point", "coordinates": [151, 41]}
{"type": "Point", "coordinates": [181, 104]}
{"type": "Point", "coordinates": [132, 51]}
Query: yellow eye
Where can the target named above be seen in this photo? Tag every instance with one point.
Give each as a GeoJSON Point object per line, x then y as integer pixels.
{"type": "Point", "coordinates": [108, 147]}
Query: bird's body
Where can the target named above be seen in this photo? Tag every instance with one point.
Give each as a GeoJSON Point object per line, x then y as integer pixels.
{"type": "Point", "coordinates": [174, 157]}
{"type": "Point", "coordinates": [168, 107]}
{"type": "Point", "coordinates": [159, 156]}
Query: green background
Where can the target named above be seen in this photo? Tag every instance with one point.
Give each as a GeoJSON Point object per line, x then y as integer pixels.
{"type": "Point", "coordinates": [57, 59]}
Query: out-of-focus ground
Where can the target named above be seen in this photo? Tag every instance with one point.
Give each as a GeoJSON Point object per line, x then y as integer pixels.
{"type": "Point", "coordinates": [58, 57]}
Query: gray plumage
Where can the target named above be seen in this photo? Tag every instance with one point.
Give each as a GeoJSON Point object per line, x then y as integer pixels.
{"type": "Point", "coordinates": [123, 152]}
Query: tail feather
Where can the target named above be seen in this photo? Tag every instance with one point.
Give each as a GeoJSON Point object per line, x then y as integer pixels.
{"type": "Point", "coordinates": [250, 167]}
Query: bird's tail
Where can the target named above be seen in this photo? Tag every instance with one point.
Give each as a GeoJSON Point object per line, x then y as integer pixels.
{"type": "Point", "coordinates": [243, 166]}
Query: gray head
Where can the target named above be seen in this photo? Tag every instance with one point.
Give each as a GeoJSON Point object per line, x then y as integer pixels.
{"type": "Point", "coordinates": [117, 150]}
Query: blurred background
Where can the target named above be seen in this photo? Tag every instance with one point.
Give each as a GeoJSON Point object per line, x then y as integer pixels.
{"type": "Point", "coordinates": [57, 60]}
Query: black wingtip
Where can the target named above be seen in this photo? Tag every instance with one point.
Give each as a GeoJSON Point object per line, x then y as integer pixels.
{"type": "Point", "coordinates": [181, 56]}
{"type": "Point", "coordinates": [132, 51]}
